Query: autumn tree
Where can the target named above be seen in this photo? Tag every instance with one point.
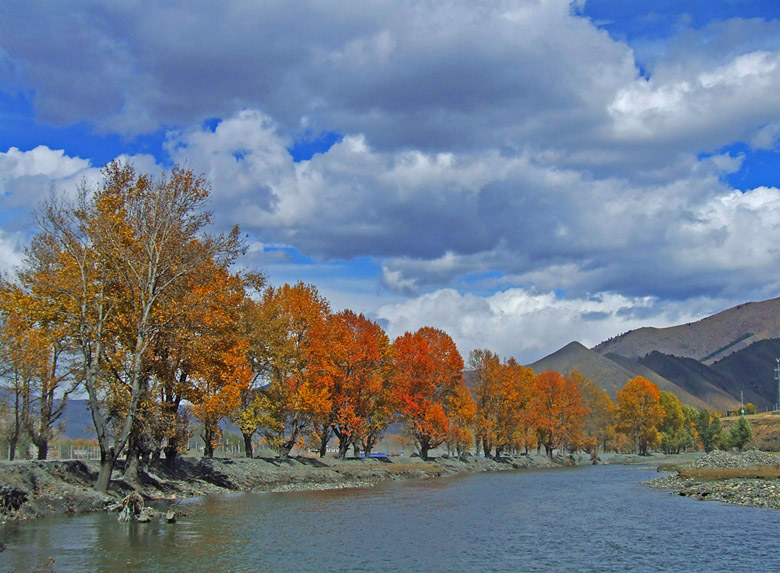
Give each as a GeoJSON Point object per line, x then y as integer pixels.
{"type": "Point", "coordinates": [286, 350]}
{"type": "Point", "coordinates": [217, 365]}
{"type": "Point", "coordinates": [355, 368]}
{"type": "Point", "coordinates": [485, 371]}
{"type": "Point", "coordinates": [640, 413]}
{"type": "Point", "coordinates": [34, 351]}
{"type": "Point", "coordinates": [514, 418]}
{"type": "Point", "coordinates": [107, 262]}
{"type": "Point", "coordinates": [558, 411]}
{"type": "Point", "coordinates": [427, 374]}
{"type": "Point", "coordinates": [600, 421]}
{"type": "Point", "coordinates": [463, 413]}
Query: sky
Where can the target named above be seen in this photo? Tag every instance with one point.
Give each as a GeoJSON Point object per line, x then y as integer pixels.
{"type": "Point", "coordinates": [518, 173]}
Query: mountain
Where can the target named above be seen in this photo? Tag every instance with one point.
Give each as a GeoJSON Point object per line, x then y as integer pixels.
{"type": "Point", "coordinates": [612, 371]}
{"type": "Point", "coordinates": [694, 377]}
{"type": "Point", "coordinates": [665, 385]}
{"type": "Point", "coordinates": [77, 420]}
{"type": "Point", "coordinates": [574, 356]}
{"type": "Point", "coordinates": [706, 340]}
{"type": "Point", "coordinates": [752, 371]}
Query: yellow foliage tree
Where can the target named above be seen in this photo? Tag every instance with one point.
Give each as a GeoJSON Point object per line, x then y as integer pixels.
{"type": "Point", "coordinates": [639, 413]}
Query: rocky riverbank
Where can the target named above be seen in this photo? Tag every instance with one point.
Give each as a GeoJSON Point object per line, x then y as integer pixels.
{"type": "Point", "coordinates": [32, 489]}
{"type": "Point", "coordinates": [749, 478]}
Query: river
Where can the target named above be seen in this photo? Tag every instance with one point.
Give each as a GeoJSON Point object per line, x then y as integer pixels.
{"type": "Point", "coordinates": [584, 519]}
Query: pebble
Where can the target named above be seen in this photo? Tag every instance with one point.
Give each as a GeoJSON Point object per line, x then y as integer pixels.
{"type": "Point", "coordinates": [749, 492]}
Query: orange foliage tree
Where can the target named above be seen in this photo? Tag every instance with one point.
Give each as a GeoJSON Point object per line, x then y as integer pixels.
{"type": "Point", "coordinates": [427, 373]}
{"type": "Point", "coordinates": [287, 351]}
{"type": "Point", "coordinates": [640, 413]}
{"type": "Point", "coordinates": [34, 353]}
{"type": "Point", "coordinates": [501, 391]}
{"type": "Point", "coordinates": [463, 414]}
{"type": "Point", "coordinates": [110, 260]}
{"type": "Point", "coordinates": [221, 371]}
{"type": "Point", "coordinates": [486, 371]}
{"type": "Point", "coordinates": [355, 369]}
{"type": "Point", "coordinates": [600, 423]}
{"type": "Point", "coordinates": [513, 417]}
{"type": "Point", "coordinates": [558, 411]}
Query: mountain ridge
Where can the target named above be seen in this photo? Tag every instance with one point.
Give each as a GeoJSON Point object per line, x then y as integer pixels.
{"type": "Point", "coordinates": [707, 340]}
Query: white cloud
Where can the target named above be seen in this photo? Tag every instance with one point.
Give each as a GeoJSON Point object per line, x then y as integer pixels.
{"type": "Point", "coordinates": [11, 255]}
{"type": "Point", "coordinates": [529, 324]}
{"type": "Point", "coordinates": [508, 145]}
{"type": "Point", "coordinates": [706, 108]}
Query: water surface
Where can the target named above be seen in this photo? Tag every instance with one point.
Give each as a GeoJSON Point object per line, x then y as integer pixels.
{"type": "Point", "coordinates": [585, 519]}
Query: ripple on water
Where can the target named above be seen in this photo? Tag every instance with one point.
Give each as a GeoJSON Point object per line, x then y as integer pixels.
{"type": "Point", "coordinates": [585, 519]}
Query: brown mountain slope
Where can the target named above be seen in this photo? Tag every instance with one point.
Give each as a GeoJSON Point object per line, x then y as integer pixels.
{"type": "Point", "coordinates": [611, 375]}
{"type": "Point", "coordinates": [694, 377]}
{"type": "Point", "coordinates": [575, 356]}
{"type": "Point", "coordinates": [706, 340]}
{"type": "Point", "coordinates": [683, 395]}
{"type": "Point", "coordinates": [751, 371]}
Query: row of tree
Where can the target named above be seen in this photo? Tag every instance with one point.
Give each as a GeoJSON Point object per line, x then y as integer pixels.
{"type": "Point", "coordinates": [124, 297]}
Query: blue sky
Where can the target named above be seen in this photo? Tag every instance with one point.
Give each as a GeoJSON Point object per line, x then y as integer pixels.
{"type": "Point", "coordinates": [520, 173]}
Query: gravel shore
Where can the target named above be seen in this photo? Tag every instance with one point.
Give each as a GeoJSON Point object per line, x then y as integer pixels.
{"type": "Point", "coordinates": [32, 489]}
{"type": "Point", "coordinates": [747, 478]}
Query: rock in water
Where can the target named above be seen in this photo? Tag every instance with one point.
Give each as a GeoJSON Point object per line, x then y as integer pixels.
{"type": "Point", "coordinates": [144, 517]}
{"type": "Point", "coordinates": [170, 517]}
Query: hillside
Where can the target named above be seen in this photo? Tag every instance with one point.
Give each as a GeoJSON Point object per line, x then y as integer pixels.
{"type": "Point", "coordinates": [574, 356]}
{"type": "Point", "coordinates": [752, 371]}
{"type": "Point", "coordinates": [663, 384]}
{"type": "Point", "coordinates": [695, 378]}
{"type": "Point", "coordinates": [611, 373]}
{"type": "Point", "coordinates": [706, 340]}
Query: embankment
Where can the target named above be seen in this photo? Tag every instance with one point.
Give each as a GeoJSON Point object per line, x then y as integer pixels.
{"type": "Point", "coordinates": [750, 478]}
{"type": "Point", "coordinates": [32, 489]}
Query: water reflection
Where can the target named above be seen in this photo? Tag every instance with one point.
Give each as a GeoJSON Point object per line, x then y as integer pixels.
{"type": "Point", "coordinates": [590, 519]}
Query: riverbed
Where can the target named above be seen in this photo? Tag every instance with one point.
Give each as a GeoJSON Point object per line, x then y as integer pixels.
{"type": "Point", "coordinates": [586, 518]}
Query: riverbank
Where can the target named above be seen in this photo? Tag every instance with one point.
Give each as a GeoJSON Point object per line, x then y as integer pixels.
{"type": "Point", "coordinates": [748, 478]}
{"type": "Point", "coordinates": [33, 489]}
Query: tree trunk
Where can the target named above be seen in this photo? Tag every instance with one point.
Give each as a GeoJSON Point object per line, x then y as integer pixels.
{"type": "Point", "coordinates": [486, 447]}
{"type": "Point", "coordinates": [248, 450]}
{"type": "Point", "coordinates": [208, 442]}
{"type": "Point", "coordinates": [171, 451]}
{"type": "Point", "coordinates": [344, 444]}
{"type": "Point", "coordinates": [107, 461]}
{"type": "Point", "coordinates": [324, 439]}
{"type": "Point", "coordinates": [285, 449]}
{"type": "Point", "coordinates": [370, 443]}
{"type": "Point", "coordinates": [43, 448]}
{"type": "Point", "coordinates": [424, 449]}
{"type": "Point", "coordinates": [12, 441]}
{"type": "Point", "coordinates": [131, 461]}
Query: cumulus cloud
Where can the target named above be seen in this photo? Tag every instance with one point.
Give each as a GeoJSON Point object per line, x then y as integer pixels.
{"type": "Point", "coordinates": [529, 324]}
{"type": "Point", "coordinates": [493, 153]}
{"type": "Point", "coordinates": [407, 74]}
{"type": "Point", "coordinates": [29, 177]}
{"type": "Point", "coordinates": [455, 219]}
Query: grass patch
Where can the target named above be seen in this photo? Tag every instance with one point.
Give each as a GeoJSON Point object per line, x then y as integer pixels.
{"type": "Point", "coordinates": [713, 474]}
{"type": "Point", "coordinates": [671, 467]}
